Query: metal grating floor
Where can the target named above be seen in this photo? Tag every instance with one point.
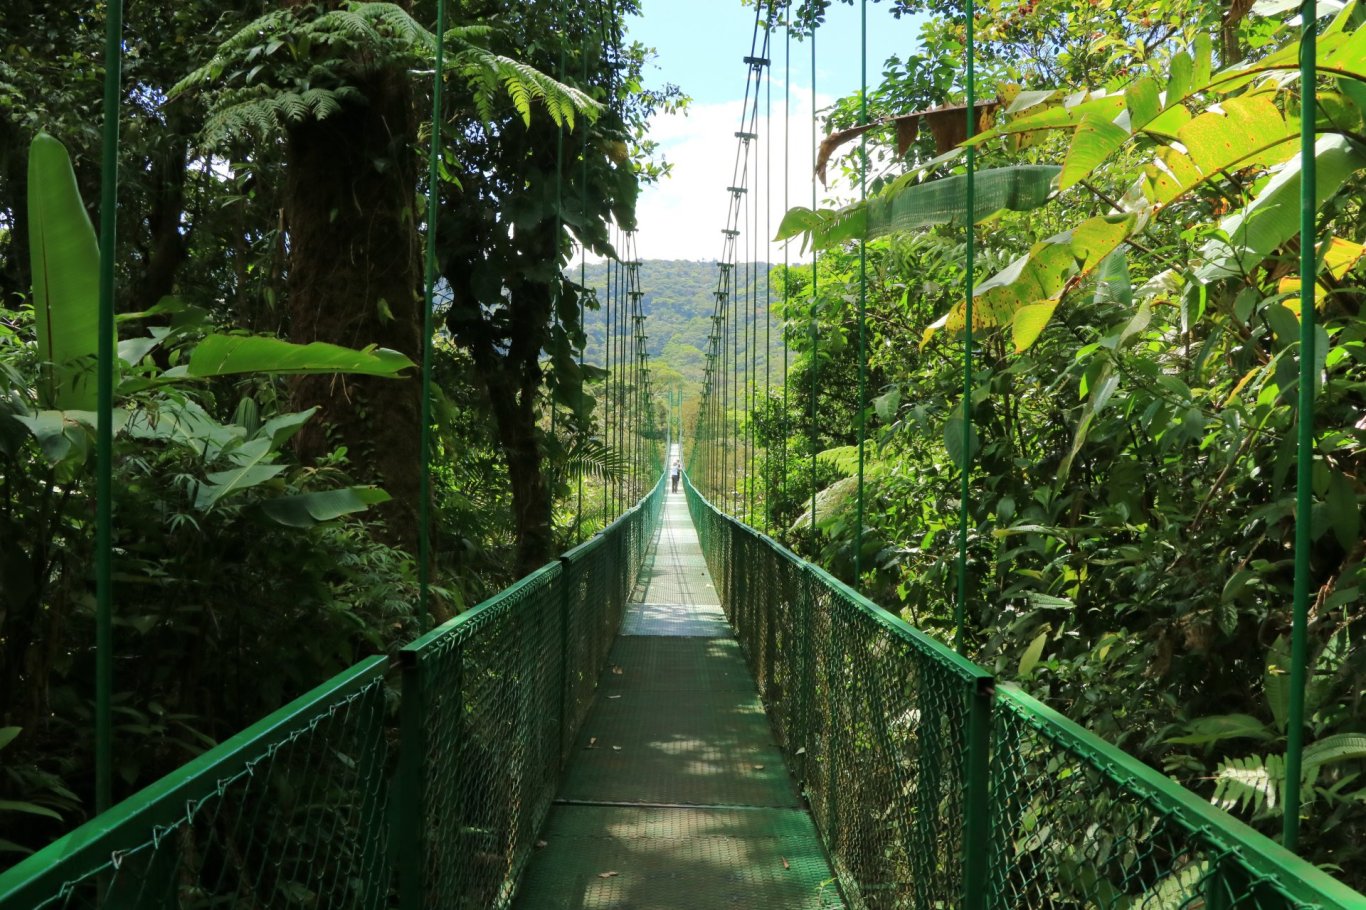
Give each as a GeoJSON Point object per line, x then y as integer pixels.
{"type": "Point", "coordinates": [677, 797]}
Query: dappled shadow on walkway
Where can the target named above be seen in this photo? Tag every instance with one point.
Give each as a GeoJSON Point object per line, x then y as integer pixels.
{"type": "Point", "coordinates": [677, 796]}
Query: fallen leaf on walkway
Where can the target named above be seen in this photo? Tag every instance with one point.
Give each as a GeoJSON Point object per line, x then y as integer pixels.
{"type": "Point", "coordinates": [616, 670]}
{"type": "Point", "coordinates": [540, 845]}
{"type": "Point", "coordinates": [786, 864]}
{"type": "Point", "coordinates": [614, 696]}
{"type": "Point", "coordinates": [592, 742]}
{"type": "Point", "coordinates": [758, 767]}
{"type": "Point", "coordinates": [616, 748]}
{"type": "Point", "coordinates": [608, 874]}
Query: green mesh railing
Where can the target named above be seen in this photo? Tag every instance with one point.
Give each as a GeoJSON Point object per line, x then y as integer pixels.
{"type": "Point", "coordinates": [491, 704]}
{"type": "Point", "coordinates": [932, 787]}
{"type": "Point", "coordinates": [289, 812]}
{"type": "Point", "coordinates": [318, 805]}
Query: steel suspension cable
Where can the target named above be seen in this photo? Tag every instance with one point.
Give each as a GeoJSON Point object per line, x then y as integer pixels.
{"type": "Point", "coordinates": [787, 253]}
{"type": "Point", "coordinates": [424, 534]}
{"type": "Point", "coordinates": [1304, 440]}
{"type": "Point", "coordinates": [815, 330]}
{"type": "Point", "coordinates": [722, 398]}
{"type": "Point", "coordinates": [583, 265]}
{"type": "Point", "coordinates": [862, 295]}
{"type": "Point", "coordinates": [104, 407]}
{"type": "Point", "coordinates": [960, 604]}
{"type": "Point", "coordinates": [768, 277]}
{"type": "Point", "coordinates": [607, 387]}
{"type": "Point", "coordinates": [557, 289]}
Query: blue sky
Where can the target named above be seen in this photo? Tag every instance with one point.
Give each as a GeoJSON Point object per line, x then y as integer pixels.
{"type": "Point", "coordinates": [701, 45]}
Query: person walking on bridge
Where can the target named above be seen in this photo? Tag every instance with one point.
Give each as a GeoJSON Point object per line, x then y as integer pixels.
{"type": "Point", "coordinates": [676, 472]}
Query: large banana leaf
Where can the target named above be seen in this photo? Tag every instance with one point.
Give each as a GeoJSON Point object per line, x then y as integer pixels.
{"type": "Point", "coordinates": [908, 206]}
{"type": "Point", "coordinates": [66, 262]}
{"type": "Point", "coordinates": [225, 355]}
{"type": "Point", "coordinates": [944, 201]}
{"type": "Point", "coordinates": [305, 510]}
{"type": "Point", "coordinates": [251, 467]}
{"type": "Point", "coordinates": [1273, 217]}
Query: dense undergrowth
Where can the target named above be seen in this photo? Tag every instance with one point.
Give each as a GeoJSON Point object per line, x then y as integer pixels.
{"type": "Point", "coordinates": [266, 493]}
{"type": "Point", "coordinates": [1132, 490]}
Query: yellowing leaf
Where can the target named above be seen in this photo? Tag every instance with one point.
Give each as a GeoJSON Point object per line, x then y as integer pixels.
{"type": "Point", "coordinates": [1169, 122]}
{"type": "Point", "coordinates": [1029, 323]}
{"type": "Point", "coordinates": [1247, 377]}
{"type": "Point", "coordinates": [1341, 255]}
{"type": "Point", "coordinates": [1096, 139]}
{"type": "Point", "coordinates": [1143, 102]}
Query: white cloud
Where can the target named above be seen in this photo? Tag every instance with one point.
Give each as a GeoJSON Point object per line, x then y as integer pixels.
{"type": "Point", "coordinates": [682, 216]}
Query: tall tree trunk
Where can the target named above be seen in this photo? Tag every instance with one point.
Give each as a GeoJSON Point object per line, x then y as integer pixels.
{"type": "Point", "coordinates": [167, 246]}
{"type": "Point", "coordinates": [354, 280]}
{"type": "Point", "coordinates": [508, 360]}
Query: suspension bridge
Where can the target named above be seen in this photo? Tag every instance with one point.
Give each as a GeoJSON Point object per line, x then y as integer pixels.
{"type": "Point", "coordinates": [678, 712]}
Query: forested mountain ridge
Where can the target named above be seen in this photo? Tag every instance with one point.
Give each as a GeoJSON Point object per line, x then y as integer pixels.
{"type": "Point", "coordinates": [678, 299]}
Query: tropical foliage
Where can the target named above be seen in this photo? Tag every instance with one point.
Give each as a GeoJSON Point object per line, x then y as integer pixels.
{"type": "Point", "coordinates": [1136, 350]}
{"type": "Point", "coordinates": [269, 319]}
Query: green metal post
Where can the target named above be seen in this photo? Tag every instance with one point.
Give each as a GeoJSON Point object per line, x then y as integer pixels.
{"type": "Point", "coordinates": [977, 798]}
{"type": "Point", "coordinates": [566, 572]}
{"type": "Point", "coordinates": [104, 438]}
{"type": "Point", "coordinates": [424, 560]}
{"type": "Point", "coordinates": [1304, 461]}
{"type": "Point", "coordinates": [960, 606]}
{"type": "Point", "coordinates": [410, 796]}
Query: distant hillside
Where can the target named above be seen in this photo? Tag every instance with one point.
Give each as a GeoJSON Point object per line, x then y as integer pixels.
{"type": "Point", "coordinates": [678, 303]}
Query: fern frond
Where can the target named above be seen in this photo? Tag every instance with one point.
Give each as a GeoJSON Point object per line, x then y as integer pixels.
{"type": "Point", "coordinates": [523, 84]}
{"type": "Point", "coordinates": [1255, 783]}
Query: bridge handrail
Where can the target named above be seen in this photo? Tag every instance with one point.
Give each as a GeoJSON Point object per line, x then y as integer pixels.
{"type": "Point", "coordinates": [89, 865]}
{"type": "Point", "coordinates": [297, 809]}
{"type": "Point", "coordinates": [1036, 811]}
{"type": "Point", "coordinates": [491, 704]}
{"type": "Point", "coordinates": [1242, 861]}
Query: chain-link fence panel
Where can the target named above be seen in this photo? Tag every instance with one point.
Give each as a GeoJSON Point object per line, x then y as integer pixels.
{"type": "Point", "coordinates": [492, 702]}
{"type": "Point", "coordinates": [290, 812]}
{"type": "Point", "coordinates": [1079, 823]}
{"type": "Point", "coordinates": [874, 718]}
{"type": "Point", "coordinates": [930, 788]}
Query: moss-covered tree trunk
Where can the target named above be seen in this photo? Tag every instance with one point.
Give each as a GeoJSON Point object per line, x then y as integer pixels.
{"type": "Point", "coordinates": [354, 279]}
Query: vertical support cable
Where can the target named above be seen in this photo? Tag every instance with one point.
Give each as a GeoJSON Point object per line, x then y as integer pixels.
{"type": "Point", "coordinates": [960, 605]}
{"type": "Point", "coordinates": [862, 292]}
{"type": "Point", "coordinates": [607, 387]}
{"type": "Point", "coordinates": [583, 259]}
{"type": "Point", "coordinates": [787, 187]}
{"type": "Point", "coordinates": [736, 368]}
{"type": "Point", "coordinates": [753, 310]}
{"type": "Point", "coordinates": [768, 276]}
{"type": "Point", "coordinates": [815, 334]}
{"type": "Point", "coordinates": [104, 427]}
{"type": "Point", "coordinates": [558, 289]}
{"type": "Point", "coordinates": [424, 505]}
{"type": "Point", "coordinates": [1304, 453]}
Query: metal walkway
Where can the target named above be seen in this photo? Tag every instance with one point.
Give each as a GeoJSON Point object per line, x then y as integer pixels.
{"type": "Point", "coordinates": [677, 796]}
